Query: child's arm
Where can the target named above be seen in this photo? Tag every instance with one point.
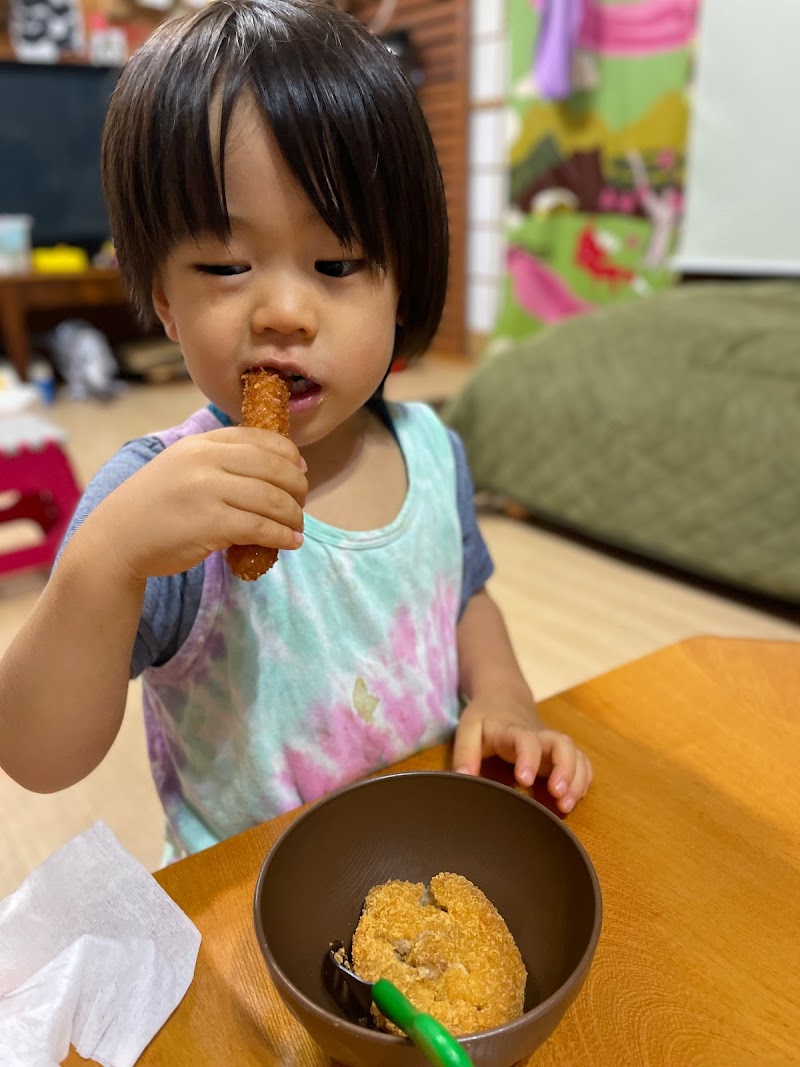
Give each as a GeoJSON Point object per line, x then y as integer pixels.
{"type": "Point", "coordinates": [500, 716]}
{"type": "Point", "coordinates": [63, 680]}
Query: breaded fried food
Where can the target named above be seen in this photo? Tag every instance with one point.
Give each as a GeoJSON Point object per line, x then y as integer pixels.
{"type": "Point", "coordinates": [265, 405]}
{"type": "Point", "coordinates": [446, 948]}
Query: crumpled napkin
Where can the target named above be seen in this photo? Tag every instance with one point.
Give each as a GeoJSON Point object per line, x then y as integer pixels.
{"type": "Point", "coordinates": [93, 952]}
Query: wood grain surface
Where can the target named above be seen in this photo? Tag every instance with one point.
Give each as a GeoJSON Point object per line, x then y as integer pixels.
{"type": "Point", "coordinates": [693, 826]}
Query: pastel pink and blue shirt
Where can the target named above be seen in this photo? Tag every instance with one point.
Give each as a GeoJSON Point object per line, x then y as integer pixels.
{"type": "Point", "coordinates": [261, 696]}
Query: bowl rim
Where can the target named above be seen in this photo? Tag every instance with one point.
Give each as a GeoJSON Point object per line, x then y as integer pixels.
{"type": "Point", "coordinates": [467, 1040]}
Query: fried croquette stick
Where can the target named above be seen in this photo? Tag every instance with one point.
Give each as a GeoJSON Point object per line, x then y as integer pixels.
{"type": "Point", "coordinates": [265, 405]}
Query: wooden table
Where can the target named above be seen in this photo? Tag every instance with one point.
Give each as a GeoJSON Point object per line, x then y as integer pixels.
{"type": "Point", "coordinates": [693, 826]}
{"type": "Point", "coordinates": [21, 293]}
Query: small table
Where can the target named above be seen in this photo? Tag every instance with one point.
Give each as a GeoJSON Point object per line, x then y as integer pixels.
{"type": "Point", "coordinates": [21, 293]}
{"type": "Point", "coordinates": [693, 826]}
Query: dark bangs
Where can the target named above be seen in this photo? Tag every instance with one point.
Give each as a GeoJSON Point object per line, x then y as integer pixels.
{"type": "Point", "coordinates": [346, 120]}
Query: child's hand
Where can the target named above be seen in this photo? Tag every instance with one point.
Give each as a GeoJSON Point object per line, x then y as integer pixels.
{"type": "Point", "coordinates": [202, 494]}
{"type": "Point", "coordinates": [511, 730]}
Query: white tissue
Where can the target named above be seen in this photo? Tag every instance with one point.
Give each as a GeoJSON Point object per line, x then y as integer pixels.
{"type": "Point", "coordinates": [92, 952]}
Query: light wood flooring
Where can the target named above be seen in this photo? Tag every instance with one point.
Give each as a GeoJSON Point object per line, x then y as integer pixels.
{"type": "Point", "coordinates": [573, 612]}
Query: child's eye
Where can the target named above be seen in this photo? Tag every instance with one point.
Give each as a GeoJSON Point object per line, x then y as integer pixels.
{"type": "Point", "coordinates": [339, 268]}
{"type": "Point", "coordinates": [221, 270]}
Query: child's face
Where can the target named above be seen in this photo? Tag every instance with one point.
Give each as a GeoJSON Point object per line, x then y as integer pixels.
{"type": "Point", "coordinates": [284, 294]}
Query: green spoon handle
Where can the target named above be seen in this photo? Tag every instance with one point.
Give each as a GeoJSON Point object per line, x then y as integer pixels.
{"type": "Point", "coordinates": [436, 1044]}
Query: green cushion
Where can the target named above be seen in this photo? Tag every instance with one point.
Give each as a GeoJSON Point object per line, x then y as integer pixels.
{"type": "Point", "coordinates": [669, 427]}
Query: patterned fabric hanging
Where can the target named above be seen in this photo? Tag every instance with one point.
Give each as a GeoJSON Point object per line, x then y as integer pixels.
{"type": "Point", "coordinates": [598, 110]}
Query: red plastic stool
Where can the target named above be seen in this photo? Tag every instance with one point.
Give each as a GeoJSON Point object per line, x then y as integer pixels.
{"type": "Point", "coordinates": [35, 469]}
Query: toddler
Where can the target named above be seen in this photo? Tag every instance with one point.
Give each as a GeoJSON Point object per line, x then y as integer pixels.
{"type": "Point", "coordinates": [275, 200]}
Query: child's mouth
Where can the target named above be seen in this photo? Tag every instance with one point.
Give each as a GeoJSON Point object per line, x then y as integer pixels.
{"type": "Point", "coordinates": [303, 393]}
{"type": "Point", "coordinates": [298, 385]}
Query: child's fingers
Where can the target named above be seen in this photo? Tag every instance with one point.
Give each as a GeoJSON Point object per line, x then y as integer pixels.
{"type": "Point", "coordinates": [559, 751]}
{"type": "Point", "coordinates": [245, 528]}
{"type": "Point", "coordinates": [579, 784]}
{"type": "Point", "coordinates": [264, 499]}
{"type": "Point", "coordinates": [583, 776]}
{"type": "Point", "coordinates": [528, 756]}
{"type": "Point", "coordinates": [254, 437]}
{"type": "Point", "coordinates": [265, 465]}
{"type": "Point", "coordinates": [468, 745]}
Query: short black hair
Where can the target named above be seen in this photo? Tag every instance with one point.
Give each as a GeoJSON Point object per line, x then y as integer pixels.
{"type": "Point", "coordinates": [347, 121]}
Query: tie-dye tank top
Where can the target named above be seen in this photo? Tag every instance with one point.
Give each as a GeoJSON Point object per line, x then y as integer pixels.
{"type": "Point", "coordinates": [340, 661]}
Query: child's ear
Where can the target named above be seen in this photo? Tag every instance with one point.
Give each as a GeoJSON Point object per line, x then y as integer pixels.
{"type": "Point", "coordinates": [162, 308]}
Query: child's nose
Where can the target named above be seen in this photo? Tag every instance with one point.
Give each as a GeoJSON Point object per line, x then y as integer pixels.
{"type": "Point", "coordinates": [287, 307]}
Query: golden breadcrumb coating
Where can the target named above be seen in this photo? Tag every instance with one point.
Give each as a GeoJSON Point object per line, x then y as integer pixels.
{"type": "Point", "coordinates": [265, 405]}
{"type": "Point", "coordinates": [265, 401]}
{"type": "Point", "coordinates": [446, 948]}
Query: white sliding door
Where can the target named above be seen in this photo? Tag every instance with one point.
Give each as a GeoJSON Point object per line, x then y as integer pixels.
{"type": "Point", "coordinates": [743, 184]}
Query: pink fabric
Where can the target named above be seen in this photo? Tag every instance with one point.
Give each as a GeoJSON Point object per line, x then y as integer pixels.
{"type": "Point", "coordinates": [633, 29]}
{"type": "Point", "coordinates": [541, 291]}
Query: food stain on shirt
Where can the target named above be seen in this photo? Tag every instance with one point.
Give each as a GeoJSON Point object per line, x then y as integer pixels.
{"type": "Point", "coordinates": [363, 701]}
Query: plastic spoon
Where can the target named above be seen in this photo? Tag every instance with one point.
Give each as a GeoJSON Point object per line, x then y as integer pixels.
{"type": "Point", "coordinates": [355, 997]}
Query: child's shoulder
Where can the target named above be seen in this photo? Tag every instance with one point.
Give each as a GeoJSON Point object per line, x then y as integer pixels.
{"type": "Point", "coordinates": [415, 422]}
{"type": "Point", "coordinates": [413, 410]}
{"type": "Point", "coordinates": [415, 415]}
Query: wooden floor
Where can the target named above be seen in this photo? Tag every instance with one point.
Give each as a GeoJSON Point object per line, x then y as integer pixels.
{"type": "Point", "coordinates": [573, 612]}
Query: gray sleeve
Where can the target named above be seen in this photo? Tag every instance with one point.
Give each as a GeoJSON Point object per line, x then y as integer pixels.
{"type": "Point", "coordinates": [170, 603]}
{"type": "Point", "coordinates": [478, 566]}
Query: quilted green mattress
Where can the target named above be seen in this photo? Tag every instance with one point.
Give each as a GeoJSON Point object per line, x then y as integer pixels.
{"type": "Point", "coordinates": [668, 427]}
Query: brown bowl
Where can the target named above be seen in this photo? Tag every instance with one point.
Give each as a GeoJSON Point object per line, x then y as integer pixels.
{"type": "Point", "coordinates": [412, 826]}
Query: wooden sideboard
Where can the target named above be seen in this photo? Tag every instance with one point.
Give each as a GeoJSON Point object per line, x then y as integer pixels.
{"type": "Point", "coordinates": [23, 293]}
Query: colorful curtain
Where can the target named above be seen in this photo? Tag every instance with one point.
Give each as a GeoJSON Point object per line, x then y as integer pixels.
{"type": "Point", "coordinates": [598, 107]}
